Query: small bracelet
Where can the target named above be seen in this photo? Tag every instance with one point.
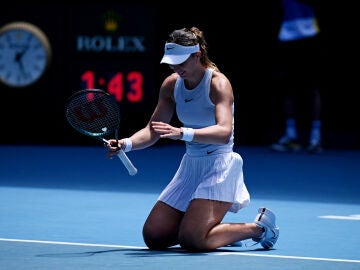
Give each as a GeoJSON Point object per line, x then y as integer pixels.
{"type": "Point", "coordinates": [188, 134]}
{"type": "Point", "coordinates": [127, 145]}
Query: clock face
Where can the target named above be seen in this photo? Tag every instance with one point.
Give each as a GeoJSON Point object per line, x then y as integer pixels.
{"type": "Point", "coordinates": [24, 54]}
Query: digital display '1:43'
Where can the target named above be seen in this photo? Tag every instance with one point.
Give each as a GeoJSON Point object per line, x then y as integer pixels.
{"type": "Point", "coordinates": [127, 87]}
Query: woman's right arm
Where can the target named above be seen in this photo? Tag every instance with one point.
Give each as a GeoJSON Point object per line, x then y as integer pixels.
{"type": "Point", "coordinates": [163, 112]}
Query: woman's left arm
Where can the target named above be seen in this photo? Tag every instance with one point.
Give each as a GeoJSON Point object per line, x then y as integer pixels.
{"type": "Point", "coordinates": [221, 94]}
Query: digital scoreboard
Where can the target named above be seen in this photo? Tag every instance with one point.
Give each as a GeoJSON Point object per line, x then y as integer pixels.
{"type": "Point", "coordinates": [112, 48]}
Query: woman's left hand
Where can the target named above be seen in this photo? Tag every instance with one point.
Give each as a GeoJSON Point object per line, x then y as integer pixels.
{"type": "Point", "coordinates": [166, 131]}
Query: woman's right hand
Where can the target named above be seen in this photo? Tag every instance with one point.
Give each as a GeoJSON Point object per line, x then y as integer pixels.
{"type": "Point", "coordinates": [113, 147]}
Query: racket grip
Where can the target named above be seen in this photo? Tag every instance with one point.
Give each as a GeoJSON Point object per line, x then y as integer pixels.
{"type": "Point", "coordinates": [127, 162]}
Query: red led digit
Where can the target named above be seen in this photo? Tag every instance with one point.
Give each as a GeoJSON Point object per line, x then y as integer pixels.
{"type": "Point", "coordinates": [116, 86]}
{"type": "Point", "coordinates": [135, 80]}
{"type": "Point", "coordinates": [88, 77]}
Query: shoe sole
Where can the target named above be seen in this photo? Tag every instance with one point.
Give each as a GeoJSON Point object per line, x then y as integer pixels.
{"type": "Point", "coordinates": [268, 243]}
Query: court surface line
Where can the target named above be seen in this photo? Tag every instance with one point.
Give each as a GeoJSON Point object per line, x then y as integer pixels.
{"type": "Point", "coordinates": [290, 257]}
{"type": "Point", "coordinates": [68, 243]}
{"type": "Point", "coordinates": [214, 253]}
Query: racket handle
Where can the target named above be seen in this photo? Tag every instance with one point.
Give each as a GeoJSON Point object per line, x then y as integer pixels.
{"type": "Point", "coordinates": [127, 162]}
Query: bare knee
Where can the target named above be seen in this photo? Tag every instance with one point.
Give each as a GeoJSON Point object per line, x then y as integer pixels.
{"type": "Point", "coordinates": [157, 238]}
{"type": "Point", "coordinates": [161, 228]}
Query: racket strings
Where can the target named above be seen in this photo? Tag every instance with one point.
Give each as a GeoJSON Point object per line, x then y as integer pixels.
{"type": "Point", "coordinates": [96, 114]}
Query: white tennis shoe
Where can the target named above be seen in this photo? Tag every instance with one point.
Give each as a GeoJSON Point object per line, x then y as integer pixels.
{"type": "Point", "coordinates": [266, 219]}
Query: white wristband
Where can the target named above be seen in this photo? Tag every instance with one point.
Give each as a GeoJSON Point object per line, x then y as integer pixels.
{"type": "Point", "coordinates": [188, 134]}
{"type": "Point", "coordinates": [127, 145]}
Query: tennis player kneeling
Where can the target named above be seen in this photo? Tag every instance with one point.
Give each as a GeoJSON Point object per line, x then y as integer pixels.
{"type": "Point", "coordinates": [209, 181]}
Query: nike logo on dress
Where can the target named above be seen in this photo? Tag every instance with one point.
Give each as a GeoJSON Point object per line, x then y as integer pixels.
{"type": "Point", "coordinates": [170, 48]}
{"type": "Point", "coordinates": [187, 100]}
{"type": "Point", "coordinates": [209, 152]}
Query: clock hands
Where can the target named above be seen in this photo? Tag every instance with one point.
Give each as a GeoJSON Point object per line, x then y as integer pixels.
{"type": "Point", "coordinates": [19, 55]}
{"type": "Point", "coordinates": [18, 60]}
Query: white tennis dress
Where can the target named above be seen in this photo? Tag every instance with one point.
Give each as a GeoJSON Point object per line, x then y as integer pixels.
{"type": "Point", "coordinates": [207, 171]}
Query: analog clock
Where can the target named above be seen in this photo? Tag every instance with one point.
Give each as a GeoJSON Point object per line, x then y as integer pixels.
{"type": "Point", "coordinates": [25, 54]}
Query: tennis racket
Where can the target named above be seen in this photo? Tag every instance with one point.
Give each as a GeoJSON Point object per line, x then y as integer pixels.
{"type": "Point", "coordinates": [95, 113]}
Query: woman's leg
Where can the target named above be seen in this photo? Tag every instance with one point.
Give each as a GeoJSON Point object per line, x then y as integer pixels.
{"type": "Point", "coordinates": [161, 227]}
{"type": "Point", "coordinates": [201, 227]}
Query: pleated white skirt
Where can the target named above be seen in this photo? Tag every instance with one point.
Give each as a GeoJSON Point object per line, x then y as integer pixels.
{"type": "Point", "coordinates": [214, 177]}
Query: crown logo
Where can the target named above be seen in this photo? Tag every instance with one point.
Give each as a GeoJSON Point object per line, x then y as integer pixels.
{"type": "Point", "coordinates": [111, 21]}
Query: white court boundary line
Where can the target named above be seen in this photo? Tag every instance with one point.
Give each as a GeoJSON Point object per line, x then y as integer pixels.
{"type": "Point", "coordinates": [349, 217]}
{"type": "Point", "coordinates": [67, 243]}
{"type": "Point", "coordinates": [291, 257]}
{"type": "Point", "coordinates": [215, 253]}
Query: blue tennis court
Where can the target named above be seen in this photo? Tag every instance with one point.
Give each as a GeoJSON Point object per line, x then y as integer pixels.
{"type": "Point", "coordinates": [69, 207]}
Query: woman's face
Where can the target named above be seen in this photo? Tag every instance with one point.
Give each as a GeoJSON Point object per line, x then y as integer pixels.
{"type": "Point", "coordinates": [186, 68]}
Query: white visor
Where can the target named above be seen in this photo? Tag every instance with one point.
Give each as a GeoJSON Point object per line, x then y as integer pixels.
{"type": "Point", "coordinates": [175, 54]}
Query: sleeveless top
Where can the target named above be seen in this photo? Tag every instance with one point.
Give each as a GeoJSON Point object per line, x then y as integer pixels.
{"type": "Point", "coordinates": [195, 109]}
